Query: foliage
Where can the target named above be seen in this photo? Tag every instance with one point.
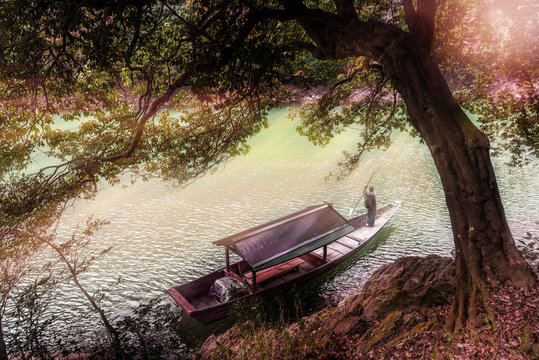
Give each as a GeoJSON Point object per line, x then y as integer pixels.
{"type": "Point", "coordinates": [488, 52]}
{"type": "Point", "coordinates": [148, 331]}
{"type": "Point", "coordinates": [34, 332]}
{"type": "Point", "coordinates": [97, 89]}
{"type": "Point", "coordinates": [269, 334]}
{"type": "Point", "coordinates": [29, 322]}
{"type": "Point", "coordinates": [314, 73]}
{"type": "Point", "coordinates": [360, 100]}
{"type": "Point", "coordinates": [187, 84]}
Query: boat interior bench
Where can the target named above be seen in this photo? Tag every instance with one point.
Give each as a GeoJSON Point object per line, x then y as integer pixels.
{"type": "Point", "coordinates": [312, 258]}
{"type": "Point", "coordinates": [276, 270]}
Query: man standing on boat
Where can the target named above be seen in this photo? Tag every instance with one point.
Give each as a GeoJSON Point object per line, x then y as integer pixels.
{"type": "Point", "coordinates": [370, 204]}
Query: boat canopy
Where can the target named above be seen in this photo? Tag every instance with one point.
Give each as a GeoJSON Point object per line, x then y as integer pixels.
{"type": "Point", "coordinates": [288, 237]}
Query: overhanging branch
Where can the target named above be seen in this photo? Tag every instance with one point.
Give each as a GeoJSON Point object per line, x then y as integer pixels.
{"type": "Point", "coordinates": [346, 8]}
{"type": "Point", "coordinates": [186, 22]}
{"type": "Point", "coordinates": [426, 9]}
{"type": "Point", "coordinates": [421, 21]}
{"type": "Point", "coordinates": [410, 15]}
{"type": "Point", "coordinates": [227, 53]}
{"type": "Point", "coordinates": [152, 111]}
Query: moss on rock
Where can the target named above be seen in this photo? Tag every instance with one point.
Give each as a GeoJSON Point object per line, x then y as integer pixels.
{"type": "Point", "coordinates": [384, 331]}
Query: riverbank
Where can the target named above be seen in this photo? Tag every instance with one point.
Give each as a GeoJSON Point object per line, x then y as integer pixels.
{"type": "Point", "coordinates": [399, 313]}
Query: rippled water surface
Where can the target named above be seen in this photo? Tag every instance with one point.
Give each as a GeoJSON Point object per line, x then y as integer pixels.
{"type": "Point", "coordinates": [162, 234]}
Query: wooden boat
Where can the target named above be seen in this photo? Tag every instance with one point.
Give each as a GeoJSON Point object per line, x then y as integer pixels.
{"type": "Point", "coordinates": [276, 256]}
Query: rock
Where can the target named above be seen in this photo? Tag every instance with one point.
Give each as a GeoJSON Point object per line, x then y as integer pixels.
{"type": "Point", "coordinates": [338, 321]}
{"type": "Point", "coordinates": [528, 342]}
{"type": "Point", "coordinates": [350, 325]}
{"type": "Point", "coordinates": [419, 328]}
{"type": "Point", "coordinates": [384, 331]}
{"type": "Point", "coordinates": [397, 294]}
{"type": "Point", "coordinates": [408, 284]}
{"type": "Point", "coordinates": [209, 345]}
{"type": "Point", "coordinates": [409, 320]}
{"type": "Point", "coordinates": [213, 342]}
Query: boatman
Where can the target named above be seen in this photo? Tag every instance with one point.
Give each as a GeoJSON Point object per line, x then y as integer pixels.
{"type": "Point", "coordinates": [370, 204]}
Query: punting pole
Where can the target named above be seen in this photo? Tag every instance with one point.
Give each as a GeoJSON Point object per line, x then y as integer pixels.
{"type": "Point", "coordinates": [227, 258]}
{"type": "Point", "coordinates": [362, 194]}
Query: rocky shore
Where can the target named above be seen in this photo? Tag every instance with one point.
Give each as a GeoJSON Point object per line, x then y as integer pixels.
{"type": "Point", "coordinates": [399, 313]}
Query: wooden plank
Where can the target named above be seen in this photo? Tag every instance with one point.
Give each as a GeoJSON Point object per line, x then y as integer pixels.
{"type": "Point", "coordinates": [332, 254]}
{"type": "Point", "coordinates": [276, 270]}
{"type": "Point", "coordinates": [340, 247]}
{"type": "Point", "coordinates": [356, 238]}
{"type": "Point", "coordinates": [334, 247]}
{"type": "Point", "coordinates": [186, 305]}
{"type": "Point", "coordinates": [313, 258]}
{"type": "Point", "coordinates": [346, 242]}
{"type": "Point", "coordinates": [351, 242]}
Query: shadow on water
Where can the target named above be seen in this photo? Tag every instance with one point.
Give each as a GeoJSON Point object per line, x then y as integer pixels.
{"type": "Point", "coordinates": [193, 333]}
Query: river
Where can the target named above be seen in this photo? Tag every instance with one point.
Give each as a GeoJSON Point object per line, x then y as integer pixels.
{"type": "Point", "coordinates": [161, 234]}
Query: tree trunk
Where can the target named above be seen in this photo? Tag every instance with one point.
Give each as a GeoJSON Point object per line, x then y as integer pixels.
{"type": "Point", "coordinates": [3, 349]}
{"type": "Point", "coordinates": [485, 249]}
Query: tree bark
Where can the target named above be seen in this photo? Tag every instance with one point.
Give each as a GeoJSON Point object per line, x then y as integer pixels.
{"type": "Point", "coordinates": [485, 249]}
{"type": "Point", "coordinates": [3, 349]}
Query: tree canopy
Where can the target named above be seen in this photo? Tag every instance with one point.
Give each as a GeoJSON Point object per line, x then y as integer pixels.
{"type": "Point", "coordinates": [174, 88]}
{"type": "Point", "coordinates": [215, 69]}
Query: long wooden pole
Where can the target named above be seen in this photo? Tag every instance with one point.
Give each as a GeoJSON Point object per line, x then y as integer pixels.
{"type": "Point", "coordinates": [362, 194]}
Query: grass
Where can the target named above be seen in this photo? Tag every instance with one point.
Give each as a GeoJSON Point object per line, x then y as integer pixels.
{"type": "Point", "coordinates": [264, 333]}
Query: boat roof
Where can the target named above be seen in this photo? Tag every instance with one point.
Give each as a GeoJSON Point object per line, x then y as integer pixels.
{"type": "Point", "coordinates": [288, 237]}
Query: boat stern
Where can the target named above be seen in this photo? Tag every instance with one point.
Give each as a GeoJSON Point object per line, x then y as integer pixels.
{"type": "Point", "coordinates": [181, 300]}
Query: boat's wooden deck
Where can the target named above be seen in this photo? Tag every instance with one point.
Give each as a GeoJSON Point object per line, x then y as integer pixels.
{"type": "Point", "coordinates": [203, 302]}
{"type": "Point", "coordinates": [364, 233]}
{"type": "Point", "coordinates": [290, 269]}
{"type": "Point", "coordinates": [263, 275]}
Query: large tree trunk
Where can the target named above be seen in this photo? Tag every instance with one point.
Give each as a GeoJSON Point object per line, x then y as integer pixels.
{"type": "Point", "coordinates": [485, 249]}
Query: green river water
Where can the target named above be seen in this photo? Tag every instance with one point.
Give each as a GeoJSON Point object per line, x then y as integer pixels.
{"type": "Point", "coordinates": [162, 234]}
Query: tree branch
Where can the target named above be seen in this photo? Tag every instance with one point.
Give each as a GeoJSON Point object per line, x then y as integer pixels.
{"type": "Point", "coordinates": [346, 8]}
{"type": "Point", "coordinates": [73, 271]}
{"type": "Point", "coordinates": [156, 105]}
{"type": "Point", "coordinates": [410, 15]}
{"type": "Point", "coordinates": [426, 9]}
{"type": "Point", "coordinates": [183, 20]}
{"type": "Point", "coordinates": [421, 22]}
{"type": "Point", "coordinates": [181, 81]}
{"type": "Point", "coordinates": [310, 47]}
{"type": "Point", "coordinates": [144, 98]}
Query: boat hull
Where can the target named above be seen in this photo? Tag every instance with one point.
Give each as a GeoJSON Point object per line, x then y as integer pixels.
{"type": "Point", "coordinates": [192, 296]}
